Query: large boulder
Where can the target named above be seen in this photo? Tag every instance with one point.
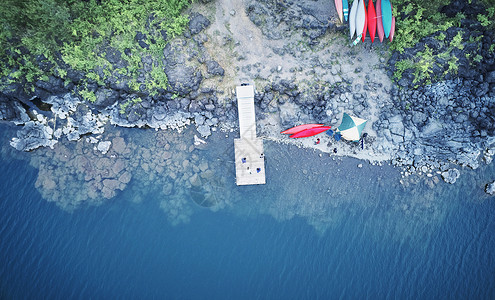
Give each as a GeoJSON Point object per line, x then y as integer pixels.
{"type": "Point", "coordinates": [33, 135]}
{"type": "Point", "coordinates": [105, 97]}
{"type": "Point", "coordinates": [451, 175]}
{"type": "Point", "coordinates": [490, 188]}
{"type": "Point", "coordinates": [490, 77]}
{"type": "Point", "coordinates": [214, 68]}
{"type": "Point", "coordinates": [12, 110]}
{"type": "Point", "coordinates": [197, 23]}
{"type": "Point", "coordinates": [183, 79]}
{"type": "Point", "coordinates": [64, 105]}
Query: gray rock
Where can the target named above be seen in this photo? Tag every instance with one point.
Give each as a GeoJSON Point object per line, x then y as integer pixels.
{"type": "Point", "coordinates": [199, 119]}
{"type": "Point", "coordinates": [104, 146]}
{"type": "Point", "coordinates": [490, 188]}
{"type": "Point", "coordinates": [419, 118]}
{"type": "Point", "coordinates": [490, 77]}
{"type": "Point", "coordinates": [12, 110]}
{"type": "Point", "coordinates": [214, 68]}
{"type": "Point", "coordinates": [63, 106]}
{"type": "Point", "coordinates": [114, 56]}
{"type": "Point", "coordinates": [183, 80]}
{"type": "Point", "coordinates": [396, 126]}
{"type": "Point", "coordinates": [197, 23]}
{"type": "Point", "coordinates": [204, 130]}
{"type": "Point", "coordinates": [33, 135]}
{"type": "Point", "coordinates": [451, 175]}
{"type": "Point", "coordinates": [106, 97]}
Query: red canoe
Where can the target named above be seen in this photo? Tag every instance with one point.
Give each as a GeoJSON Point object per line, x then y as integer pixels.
{"type": "Point", "coordinates": [371, 20]}
{"type": "Point", "coordinates": [338, 7]}
{"type": "Point", "coordinates": [392, 29]}
{"type": "Point", "coordinates": [365, 23]}
{"type": "Point", "coordinates": [379, 23]}
{"type": "Point", "coordinates": [310, 132]}
{"type": "Point", "coordinates": [300, 128]}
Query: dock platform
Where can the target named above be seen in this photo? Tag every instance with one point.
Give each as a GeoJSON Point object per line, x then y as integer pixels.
{"type": "Point", "coordinates": [249, 155]}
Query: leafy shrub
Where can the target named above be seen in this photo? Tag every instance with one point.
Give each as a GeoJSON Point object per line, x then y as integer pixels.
{"type": "Point", "coordinates": [78, 33]}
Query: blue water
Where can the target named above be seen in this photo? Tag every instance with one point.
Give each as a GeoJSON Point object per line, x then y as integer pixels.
{"type": "Point", "coordinates": [372, 247]}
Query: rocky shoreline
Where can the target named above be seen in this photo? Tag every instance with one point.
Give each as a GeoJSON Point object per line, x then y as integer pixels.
{"type": "Point", "coordinates": [304, 70]}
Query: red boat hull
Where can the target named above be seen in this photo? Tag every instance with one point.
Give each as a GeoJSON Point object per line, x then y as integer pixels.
{"type": "Point", "coordinates": [338, 7]}
{"type": "Point", "coordinates": [310, 132]}
{"type": "Point", "coordinates": [371, 20]}
{"type": "Point", "coordinates": [392, 30]}
{"type": "Point", "coordinates": [300, 128]}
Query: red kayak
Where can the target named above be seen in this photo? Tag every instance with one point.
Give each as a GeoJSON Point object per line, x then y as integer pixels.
{"type": "Point", "coordinates": [300, 128]}
{"type": "Point", "coordinates": [365, 23]}
{"type": "Point", "coordinates": [392, 30]}
{"type": "Point", "coordinates": [379, 23]}
{"type": "Point", "coordinates": [371, 20]}
{"type": "Point", "coordinates": [338, 7]}
{"type": "Point", "coordinates": [310, 132]}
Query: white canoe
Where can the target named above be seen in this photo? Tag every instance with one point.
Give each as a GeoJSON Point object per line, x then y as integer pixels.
{"type": "Point", "coordinates": [352, 18]}
{"type": "Point", "coordinates": [360, 17]}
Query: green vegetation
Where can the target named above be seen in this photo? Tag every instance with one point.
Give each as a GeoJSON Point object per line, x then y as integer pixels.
{"type": "Point", "coordinates": [421, 18]}
{"type": "Point", "coordinates": [487, 20]}
{"type": "Point", "coordinates": [423, 69]}
{"type": "Point", "coordinates": [415, 21]}
{"type": "Point", "coordinates": [44, 37]}
{"type": "Point", "coordinates": [129, 103]}
{"type": "Point", "coordinates": [87, 95]}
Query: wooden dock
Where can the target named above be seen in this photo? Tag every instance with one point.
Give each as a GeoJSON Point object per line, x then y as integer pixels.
{"type": "Point", "coordinates": [249, 157]}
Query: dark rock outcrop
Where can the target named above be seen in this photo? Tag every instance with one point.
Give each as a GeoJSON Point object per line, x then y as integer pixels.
{"type": "Point", "coordinates": [214, 68]}
{"type": "Point", "coordinates": [197, 23]}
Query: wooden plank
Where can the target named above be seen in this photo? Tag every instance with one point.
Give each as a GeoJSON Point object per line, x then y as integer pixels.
{"type": "Point", "coordinates": [249, 161]}
{"type": "Point", "coordinates": [249, 157]}
{"type": "Point", "coordinates": [245, 108]}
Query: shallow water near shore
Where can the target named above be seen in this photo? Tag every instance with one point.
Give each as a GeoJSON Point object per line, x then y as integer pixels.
{"type": "Point", "coordinates": [321, 227]}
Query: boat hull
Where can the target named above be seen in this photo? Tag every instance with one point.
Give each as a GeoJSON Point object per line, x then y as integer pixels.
{"type": "Point", "coordinates": [363, 37]}
{"type": "Point", "coordinates": [387, 17]}
{"type": "Point", "coordinates": [392, 30]}
{"type": "Point", "coordinates": [338, 7]}
{"type": "Point", "coordinates": [360, 17]}
{"type": "Point", "coordinates": [352, 18]}
{"type": "Point", "coordinates": [371, 20]}
{"type": "Point", "coordinates": [379, 24]}
{"type": "Point", "coordinates": [310, 132]}
{"type": "Point", "coordinates": [300, 128]}
{"type": "Point", "coordinates": [345, 9]}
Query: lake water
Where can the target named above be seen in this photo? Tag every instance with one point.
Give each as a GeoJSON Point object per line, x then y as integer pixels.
{"type": "Point", "coordinates": [322, 228]}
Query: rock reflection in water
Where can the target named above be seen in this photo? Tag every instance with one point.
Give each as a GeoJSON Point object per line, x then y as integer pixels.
{"type": "Point", "coordinates": [183, 177]}
{"type": "Point", "coordinates": [74, 173]}
{"type": "Point", "coordinates": [166, 164]}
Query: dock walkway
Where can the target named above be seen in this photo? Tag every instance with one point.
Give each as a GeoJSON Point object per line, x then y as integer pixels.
{"type": "Point", "coordinates": [249, 157]}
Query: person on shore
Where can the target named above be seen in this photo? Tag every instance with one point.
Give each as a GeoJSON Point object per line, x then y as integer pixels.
{"type": "Point", "coordinates": [362, 140]}
{"type": "Point", "coordinates": [317, 141]}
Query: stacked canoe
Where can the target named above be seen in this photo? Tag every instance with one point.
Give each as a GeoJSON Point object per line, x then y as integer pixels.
{"type": "Point", "coordinates": [305, 130]}
{"type": "Point", "coordinates": [374, 19]}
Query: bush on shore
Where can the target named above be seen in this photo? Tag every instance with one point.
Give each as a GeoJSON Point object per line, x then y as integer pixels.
{"type": "Point", "coordinates": [39, 38]}
{"type": "Point", "coordinates": [419, 19]}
